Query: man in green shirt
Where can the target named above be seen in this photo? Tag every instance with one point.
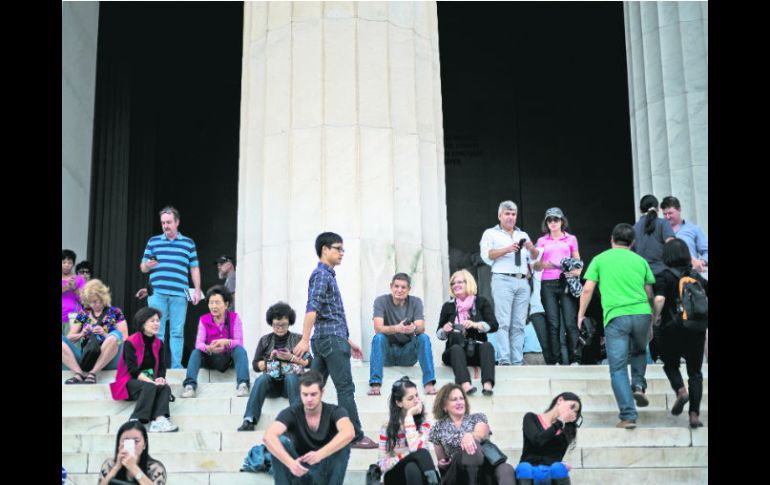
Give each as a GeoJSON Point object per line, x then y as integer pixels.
{"type": "Point", "coordinates": [626, 283]}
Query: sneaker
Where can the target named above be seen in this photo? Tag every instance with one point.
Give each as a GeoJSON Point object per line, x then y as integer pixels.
{"type": "Point", "coordinates": [243, 389]}
{"type": "Point", "coordinates": [163, 425]}
{"type": "Point", "coordinates": [246, 426]}
{"type": "Point", "coordinates": [640, 398]}
{"type": "Point", "coordinates": [575, 363]}
{"type": "Point", "coordinates": [189, 391]}
{"type": "Point", "coordinates": [626, 424]}
{"type": "Point", "coordinates": [364, 444]}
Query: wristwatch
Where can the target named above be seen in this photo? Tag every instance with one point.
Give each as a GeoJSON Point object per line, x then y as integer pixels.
{"type": "Point", "coordinates": [139, 475]}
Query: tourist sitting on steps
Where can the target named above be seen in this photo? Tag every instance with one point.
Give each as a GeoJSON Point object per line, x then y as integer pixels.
{"type": "Point", "coordinates": [132, 462]}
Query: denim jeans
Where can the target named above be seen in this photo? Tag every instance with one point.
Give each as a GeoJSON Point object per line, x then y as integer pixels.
{"type": "Point", "coordinates": [111, 365]}
{"type": "Point", "coordinates": [555, 301]}
{"type": "Point", "coordinates": [238, 357]}
{"type": "Point", "coordinates": [330, 471]}
{"type": "Point", "coordinates": [174, 309]}
{"type": "Point", "coordinates": [626, 341]}
{"type": "Point", "coordinates": [385, 353]}
{"type": "Point", "coordinates": [331, 356]}
{"type": "Point", "coordinates": [267, 387]}
{"type": "Point", "coordinates": [511, 298]}
{"type": "Point", "coordinates": [541, 474]}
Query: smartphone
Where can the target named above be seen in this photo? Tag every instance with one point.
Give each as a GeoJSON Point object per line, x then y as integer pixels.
{"type": "Point", "coordinates": [130, 446]}
{"type": "Point", "coordinates": [152, 258]}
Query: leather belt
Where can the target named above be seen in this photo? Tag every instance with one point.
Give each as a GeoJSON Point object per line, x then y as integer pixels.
{"type": "Point", "coordinates": [514, 275]}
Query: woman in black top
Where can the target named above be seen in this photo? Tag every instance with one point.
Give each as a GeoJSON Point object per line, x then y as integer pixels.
{"type": "Point", "coordinates": [546, 439]}
{"type": "Point", "coordinates": [678, 341]}
{"type": "Point", "coordinates": [464, 323]}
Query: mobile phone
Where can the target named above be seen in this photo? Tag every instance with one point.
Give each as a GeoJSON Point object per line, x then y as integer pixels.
{"type": "Point", "coordinates": [281, 350]}
{"type": "Point", "coordinates": [152, 258]}
{"type": "Point", "coordinates": [130, 446]}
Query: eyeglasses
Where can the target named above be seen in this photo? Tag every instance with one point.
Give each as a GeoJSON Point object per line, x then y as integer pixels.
{"type": "Point", "coordinates": [552, 219]}
{"type": "Point", "coordinates": [401, 382]}
{"type": "Point", "coordinates": [280, 325]}
{"type": "Point", "coordinates": [84, 271]}
{"type": "Point", "coordinates": [339, 248]}
{"type": "Point", "coordinates": [457, 282]}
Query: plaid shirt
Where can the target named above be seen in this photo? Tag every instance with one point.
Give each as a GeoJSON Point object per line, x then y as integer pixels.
{"type": "Point", "coordinates": [324, 298]}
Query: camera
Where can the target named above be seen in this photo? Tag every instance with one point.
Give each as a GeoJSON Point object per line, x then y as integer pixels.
{"type": "Point", "coordinates": [586, 332]}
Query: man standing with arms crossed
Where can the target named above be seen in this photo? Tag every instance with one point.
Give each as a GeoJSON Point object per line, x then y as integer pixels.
{"type": "Point", "coordinates": [169, 257]}
{"type": "Point", "coordinates": [332, 347]}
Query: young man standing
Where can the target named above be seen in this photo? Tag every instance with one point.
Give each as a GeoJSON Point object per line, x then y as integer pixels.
{"type": "Point", "coordinates": [332, 347]}
{"type": "Point", "coordinates": [625, 280]}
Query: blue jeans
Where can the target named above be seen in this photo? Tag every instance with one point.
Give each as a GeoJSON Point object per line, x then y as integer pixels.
{"type": "Point", "coordinates": [174, 309]}
{"type": "Point", "coordinates": [112, 365]}
{"type": "Point", "coordinates": [330, 471]}
{"type": "Point", "coordinates": [386, 354]}
{"type": "Point", "coordinates": [237, 356]}
{"type": "Point", "coordinates": [626, 341]}
{"type": "Point", "coordinates": [541, 474]}
{"type": "Point", "coordinates": [266, 387]}
{"type": "Point", "coordinates": [331, 355]}
{"type": "Point", "coordinates": [511, 298]}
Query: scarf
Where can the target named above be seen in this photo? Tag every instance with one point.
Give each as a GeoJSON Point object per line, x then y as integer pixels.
{"type": "Point", "coordinates": [464, 306]}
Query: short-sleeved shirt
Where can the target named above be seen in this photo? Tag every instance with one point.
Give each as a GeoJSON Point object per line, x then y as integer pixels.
{"type": "Point", "coordinates": [667, 286]}
{"type": "Point", "coordinates": [302, 437]}
{"type": "Point", "coordinates": [554, 250]}
{"type": "Point", "coordinates": [497, 238]}
{"type": "Point", "coordinates": [175, 258]}
{"type": "Point", "coordinates": [448, 437]}
{"type": "Point", "coordinates": [70, 303]}
{"type": "Point", "coordinates": [324, 298]}
{"type": "Point", "coordinates": [621, 275]}
{"type": "Point", "coordinates": [108, 320]}
{"type": "Point", "coordinates": [650, 246]}
{"type": "Point", "coordinates": [230, 282]}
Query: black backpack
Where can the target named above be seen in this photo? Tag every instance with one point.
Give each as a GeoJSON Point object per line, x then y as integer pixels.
{"type": "Point", "coordinates": [692, 304]}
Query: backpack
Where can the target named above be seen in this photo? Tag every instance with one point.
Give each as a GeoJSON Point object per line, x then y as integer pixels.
{"type": "Point", "coordinates": [692, 304]}
{"type": "Point", "coordinates": [258, 459]}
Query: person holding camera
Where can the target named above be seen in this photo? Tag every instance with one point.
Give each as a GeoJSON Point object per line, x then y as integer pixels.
{"type": "Point", "coordinates": [509, 251]}
{"type": "Point", "coordinates": [546, 439]}
{"type": "Point", "coordinates": [404, 446]}
{"type": "Point", "coordinates": [219, 344]}
{"type": "Point", "coordinates": [464, 323]}
{"type": "Point", "coordinates": [310, 441]}
{"type": "Point", "coordinates": [279, 367]}
{"type": "Point", "coordinates": [557, 244]}
{"type": "Point", "coordinates": [132, 462]}
{"type": "Point", "coordinates": [71, 285]}
{"type": "Point", "coordinates": [399, 338]}
{"type": "Point", "coordinates": [101, 329]}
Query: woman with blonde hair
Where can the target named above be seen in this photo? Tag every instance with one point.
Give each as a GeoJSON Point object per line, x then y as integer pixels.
{"type": "Point", "coordinates": [100, 329]}
{"type": "Point", "coordinates": [464, 323]}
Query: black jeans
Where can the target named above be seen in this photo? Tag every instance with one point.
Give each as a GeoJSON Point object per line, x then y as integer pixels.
{"type": "Point", "coordinates": [484, 357]}
{"type": "Point", "coordinates": [410, 469]}
{"type": "Point", "coordinates": [151, 400]}
{"type": "Point", "coordinates": [678, 342]}
{"type": "Point", "coordinates": [554, 301]}
{"type": "Point", "coordinates": [539, 323]}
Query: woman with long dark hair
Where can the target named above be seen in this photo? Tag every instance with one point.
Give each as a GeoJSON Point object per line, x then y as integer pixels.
{"type": "Point", "coordinates": [404, 446]}
{"type": "Point", "coordinates": [137, 465]}
{"type": "Point", "coordinates": [546, 439]}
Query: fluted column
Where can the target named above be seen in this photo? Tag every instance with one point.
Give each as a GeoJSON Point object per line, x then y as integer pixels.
{"type": "Point", "coordinates": [667, 52]}
{"type": "Point", "coordinates": [341, 130]}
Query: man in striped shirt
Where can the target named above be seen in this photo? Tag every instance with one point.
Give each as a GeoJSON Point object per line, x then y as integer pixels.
{"type": "Point", "coordinates": [169, 258]}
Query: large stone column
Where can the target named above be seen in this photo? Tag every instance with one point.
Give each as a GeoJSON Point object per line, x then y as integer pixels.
{"type": "Point", "coordinates": [341, 130]}
{"type": "Point", "coordinates": [667, 52]}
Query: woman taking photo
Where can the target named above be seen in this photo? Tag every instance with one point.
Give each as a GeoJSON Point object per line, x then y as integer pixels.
{"type": "Point", "coordinates": [404, 445]}
{"type": "Point", "coordinates": [141, 373]}
{"type": "Point", "coordinates": [132, 461]}
{"type": "Point", "coordinates": [558, 244]}
{"type": "Point", "coordinates": [457, 435]}
{"type": "Point", "coordinates": [546, 439]}
{"type": "Point", "coordinates": [464, 323]}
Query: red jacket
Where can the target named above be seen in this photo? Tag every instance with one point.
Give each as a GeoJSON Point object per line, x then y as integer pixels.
{"type": "Point", "coordinates": [118, 388]}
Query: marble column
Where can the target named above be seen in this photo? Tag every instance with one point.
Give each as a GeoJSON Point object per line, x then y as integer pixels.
{"type": "Point", "coordinates": [341, 130]}
{"type": "Point", "coordinates": [667, 55]}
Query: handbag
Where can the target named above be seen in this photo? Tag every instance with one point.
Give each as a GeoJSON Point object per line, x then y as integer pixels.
{"type": "Point", "coordinates": [492, 453]}
{"type": "Point", "coordinates": [91, 352]}
{"type": "Point", "coordinates": [373, 475]}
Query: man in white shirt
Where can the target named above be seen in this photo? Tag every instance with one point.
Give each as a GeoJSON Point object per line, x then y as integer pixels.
{"type": "Point", "coordinates": [509, 250]}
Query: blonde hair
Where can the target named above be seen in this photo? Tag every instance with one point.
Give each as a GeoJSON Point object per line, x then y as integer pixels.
{"type": "Point", "coordinates": [95, 288]}
{"type": "Point", "coordinates": [470, 282]}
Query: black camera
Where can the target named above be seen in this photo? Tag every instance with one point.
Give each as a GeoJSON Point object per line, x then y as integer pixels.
{"type": "Point", "coordinates": [586, 332]}
{"type": "Point", "coordinates": [522, 241]}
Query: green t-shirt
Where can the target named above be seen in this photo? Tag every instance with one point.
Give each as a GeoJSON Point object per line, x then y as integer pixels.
{"type": "Point", "coordinates": [621, 275]}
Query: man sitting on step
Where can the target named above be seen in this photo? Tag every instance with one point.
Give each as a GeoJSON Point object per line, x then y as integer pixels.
{"type": "Point", "coordinates": [310, 441]}
{"type": "Point", "coordinates": [399, 335]}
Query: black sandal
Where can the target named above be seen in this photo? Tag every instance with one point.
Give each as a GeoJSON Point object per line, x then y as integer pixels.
{"type": "Point", "coordinates": [74, 379]}
{"type": "Point", "coordinates": [90, 378]}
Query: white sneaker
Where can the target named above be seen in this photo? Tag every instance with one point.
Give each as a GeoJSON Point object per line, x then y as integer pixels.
{"type": "Point", "coordinates": [163, 425]}
{"type": "Point", "coordinates": [189, 391]}
{"type": "Point", "coordinates": [243, 389]}
{"type": "Point", "coordinates": [575, 363]}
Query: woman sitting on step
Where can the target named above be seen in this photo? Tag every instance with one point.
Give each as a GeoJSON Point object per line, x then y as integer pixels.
{"type": "Point", "coordinates": [458, 437]}
{"type": "Point", "coordinates": [132, 461]}
{"type": "Point", "coordinates": [404, 446]}
{"type": "Point", "coordinates": [141, 373]}
{"type": "Point", "coordinates": [546, 439]}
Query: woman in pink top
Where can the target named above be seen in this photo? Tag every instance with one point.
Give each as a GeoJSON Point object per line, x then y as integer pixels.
{"type": "Point", "coordinates": [71, 284]}
{"type": "Point", "coordinates": [557, 244]}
